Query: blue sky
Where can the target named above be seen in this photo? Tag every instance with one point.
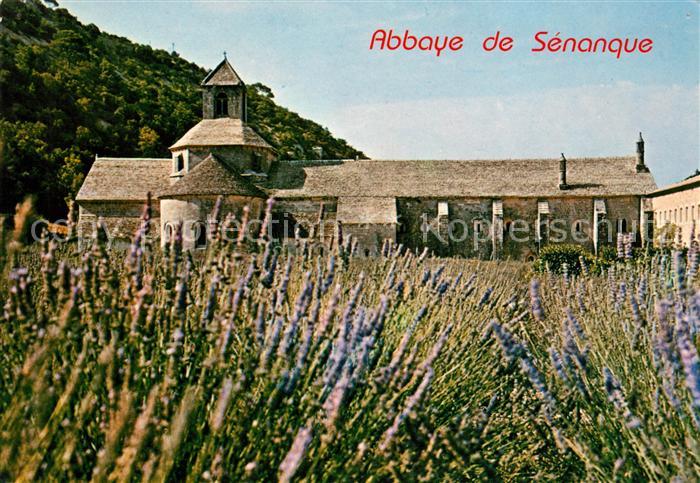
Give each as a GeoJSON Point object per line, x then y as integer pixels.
{"type": "Point", "coordinates": [467, 104]}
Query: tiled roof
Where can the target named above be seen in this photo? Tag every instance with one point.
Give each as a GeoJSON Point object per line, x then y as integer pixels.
{"type": "Point", "coordinates": [124, 179]}
{"type": "Point", "coordinates": [612, 176]}
{"type": "Point", "coordinates": [224, 131]}
{"type": "Point", "coordinates": [222, 75]}
{"type": "Point", "coordinates": [687, 183]}
{"type": "Point", "coordinates": [210, 177]}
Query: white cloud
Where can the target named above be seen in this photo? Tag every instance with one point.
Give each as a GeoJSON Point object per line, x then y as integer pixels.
{"type": "Point", "coordinates": [579, 121]}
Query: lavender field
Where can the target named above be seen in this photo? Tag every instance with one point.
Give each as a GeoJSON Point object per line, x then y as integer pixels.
{"type": "Point", "coordinates": [247, 362]}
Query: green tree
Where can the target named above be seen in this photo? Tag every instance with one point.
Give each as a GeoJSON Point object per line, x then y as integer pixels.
{"type": "Point", "coordinates": [71, 176]}
{"type": "Point", "coordinates": [149, 142]}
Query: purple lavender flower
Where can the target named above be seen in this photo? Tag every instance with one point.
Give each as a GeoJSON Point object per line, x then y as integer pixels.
{"type": "Point", "coordinates": [628, 246]}
{"type": "Point", "coordinates": [208, 313]}
{"type": "Point", "coordinates": [511, 348]}
{"type": "Point", "coordinates": [436, 275]}
{"type": "Point", "coordinates": [485, 298]}
{"type": "Point", "coordinates": [443, 288]}
{"type": "Point", "coordinates": [558, 364]}
{"type": "Point", "coordinates": [573, 322]}
{"type": "Point", "coordinates": [456, 281]}
{"type": "Point", "coordinates": [260, 325]}
{"type": "Point", "coordinates": [617, 398]}
{"type": "Point", "coordinates": [296, 454]}
{"type": "Point", "coordinates": [535, 301]}
{"type": "Point", "coordinates": [642, 290]}
{"type": "Point", "coordinates": [411, 403]}
{"type": "Point", "coordinates": [679, 269]}
{"type": "Point", "coordinates": [620, 246]}
{"type": "Point", "coordinates": [691, 367]}
{"type": "Point", "coordinates": [330, 274]}
{"type": "Point", "coordinates": [426, 276]}
{"type": "Point", "coordinates": [388, 372]}
{"type": "Point", "coordinates": [536, 380]}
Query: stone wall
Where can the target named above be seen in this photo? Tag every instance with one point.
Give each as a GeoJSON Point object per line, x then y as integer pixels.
{"type": "Point", "coordinates": [120, 220]}
{"type": "Point", "coordinates": [370, 237]}
{"type": "Point", "coordinates": [469, 231]}
{"type": "Point", "coordinates": [305, 214]}
{"type": "Point", "coordinates": [236, 101]}
{"type": "Point", "coordinates": [570, 221]}
{"type": "Point", "coordinates": [419, 226]}
{"type": "Point", "coordinates": [193, 214]}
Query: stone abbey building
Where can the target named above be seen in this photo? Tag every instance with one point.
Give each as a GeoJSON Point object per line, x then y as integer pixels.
{"type": "Point", "coordinates": [479, 208]}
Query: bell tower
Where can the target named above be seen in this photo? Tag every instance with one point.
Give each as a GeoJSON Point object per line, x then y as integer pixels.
{"type": "Point", "coordinates": [224, 93]}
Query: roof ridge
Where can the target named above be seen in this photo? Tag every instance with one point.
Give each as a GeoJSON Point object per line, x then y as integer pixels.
{"type": "Point", "coordinates": [224, 63]}
{"type": "Point", "coordinates": [112, 158]}
{"type": "Point", "coordinates": [453, 160]}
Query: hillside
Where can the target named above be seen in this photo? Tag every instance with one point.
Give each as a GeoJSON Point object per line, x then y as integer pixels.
{"type": "Point", "coordinates": [69, 91]}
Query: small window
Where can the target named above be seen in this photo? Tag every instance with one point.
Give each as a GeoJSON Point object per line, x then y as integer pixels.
{"type": "Point", "coordinates": [179, 163]}
{"type": "Point", "coordinates": [497, 207]}
{"type": "Point", "coordinates": [168, 233]}
{"type": "Point", "coordinates": [478, 227]}
{"type": "Point", "coordinates": [578, 227]}
{"type": "Point", "coordinates": [544, 230]}
{"type": "Point", "coordinates": [221, 105]}
{"type": "Point", "coordinates": [255, 163]}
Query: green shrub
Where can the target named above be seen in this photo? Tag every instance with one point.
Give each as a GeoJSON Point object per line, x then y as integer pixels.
{"type": "Point", "coordinates": [607, 257]}
{"type": "Point", "coordinates": [553, 258]}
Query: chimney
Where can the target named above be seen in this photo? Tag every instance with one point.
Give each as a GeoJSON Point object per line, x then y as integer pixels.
{"type": "Point", "coordinates": [641, 167]}
{"type": "Point", "coordinates": [562, 173]}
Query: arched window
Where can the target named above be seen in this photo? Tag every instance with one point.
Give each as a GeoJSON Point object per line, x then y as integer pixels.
{"type": "Point", "coordinates": [221, 105]}
{"type": "Point", "coordinates": [200, 233]}
{"type": "Point", "coordinates": [578, 227]}
{"type": "Point", "coordinates": [622, 225]}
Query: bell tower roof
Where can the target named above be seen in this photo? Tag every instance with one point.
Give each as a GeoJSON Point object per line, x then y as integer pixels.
{"type": "Point", "coordinates": [222, 75]}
